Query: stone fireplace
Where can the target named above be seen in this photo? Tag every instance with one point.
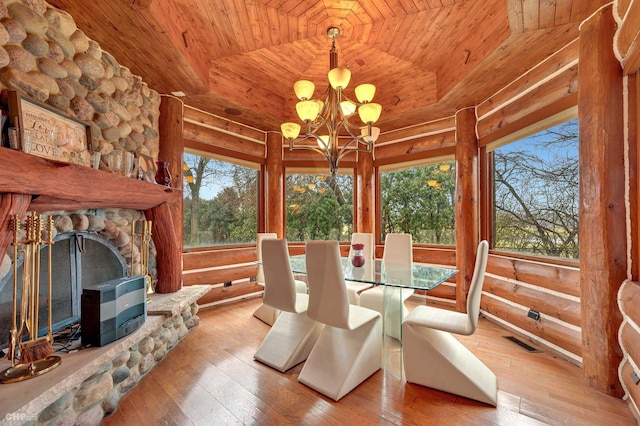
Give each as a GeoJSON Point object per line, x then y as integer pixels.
{"type": "Point", "coordinates": [88, 384]}
{"type": "Point", "coordinates": [123, 115]}
{"type": "Point", "coordinates": [90, 247]}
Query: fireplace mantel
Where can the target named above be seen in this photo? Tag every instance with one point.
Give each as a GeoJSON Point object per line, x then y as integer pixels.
{"type": "Point", "coordinates": [64, 186]}
{"type": "Point", "coordinates": [28, 182]}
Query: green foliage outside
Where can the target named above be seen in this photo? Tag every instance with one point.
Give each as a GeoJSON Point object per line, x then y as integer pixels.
{"type": "Point", "coordinates": [536, 192]}
{"type": "Point", "coordinates": [220, 202]}
{"type": "Point", "coordinates": [420, 201]}
{"type": "Point", "coordinates": [536, 199]}
{"type": "Point", "coordinates": [319, 207]}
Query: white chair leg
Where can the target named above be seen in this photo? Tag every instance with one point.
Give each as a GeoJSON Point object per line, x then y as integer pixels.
{"type": "Point", "coordinates": [266, 314]}
{"type": "Point", "coordinates": [436, 359]}
{"type": "Point", "coordinates": [289, 341]}
{"type": "Point", "coordinates": [335, 373]}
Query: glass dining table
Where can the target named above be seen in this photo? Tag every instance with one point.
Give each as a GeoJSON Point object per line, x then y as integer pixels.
{"type": "Point", "coordinates": [395, 279]}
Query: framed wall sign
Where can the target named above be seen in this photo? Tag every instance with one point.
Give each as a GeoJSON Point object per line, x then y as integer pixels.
{"type": "Point", "coordinates": [47, 132]}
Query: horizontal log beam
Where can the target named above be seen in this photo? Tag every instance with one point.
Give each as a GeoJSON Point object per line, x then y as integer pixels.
{"type": "Point", "coordinates": [444, 125]}
{"type": "Point", "coordinates": [219, 275]}
{"type": "Point", "coordinates": [562, 86]}
{"type": "Point", "coordinates": [63, 186]}
{"type": "Point", "coordinates": [630, 341]}
{"type": "Point", "coordinates": [421, 145]}
{"type": "Point", "coordinates": [634, 390]}
{"type": "Point", "coordinates": [444, 291]}
{"type": "Point", "coordinates": [222, 257]}
{"type": "Point", "coordinates": [630, 301]}
{"type": "Point", "coordinates": [218, 294]}
{"type": "Point", "coordinates": [221, 124]}
{"type": "Point", "coordinates": [216, 138]}
{"type": "Point", "coordinates": [564, 337]}
{"type": "Point", "coordinates": [535, 77]}
{"type": "Point", "coordinates": [559, 278]}
{"type": "Point", "coordinates": [436, 256]}
{"type": "Point", "coordinates": [562, 308]}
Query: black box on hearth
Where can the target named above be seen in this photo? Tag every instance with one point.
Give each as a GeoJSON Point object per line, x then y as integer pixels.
{"type": "Point", "coordinates": [112, 310]}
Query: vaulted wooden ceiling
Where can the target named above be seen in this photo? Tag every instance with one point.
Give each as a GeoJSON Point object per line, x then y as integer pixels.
{"type": "Point", "coordinates": [239, 58]}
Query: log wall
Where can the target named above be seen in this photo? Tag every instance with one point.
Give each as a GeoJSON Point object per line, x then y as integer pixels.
{"type": "Point", "coordinates": [627, 49]}
{"type": "Point", "coordinates": [514, 285]}
{"type": "Point", "coordinates": [230, 270]}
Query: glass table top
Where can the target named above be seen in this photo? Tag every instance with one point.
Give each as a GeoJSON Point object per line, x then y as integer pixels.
{"type": "Point", "coordinates": [417, 276]}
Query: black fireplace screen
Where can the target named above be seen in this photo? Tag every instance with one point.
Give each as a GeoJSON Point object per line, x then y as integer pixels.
{"type": "Point", "coordinates": [79, 260]}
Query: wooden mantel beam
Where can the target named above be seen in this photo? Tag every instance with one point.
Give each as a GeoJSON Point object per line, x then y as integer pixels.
{"type": "Point", "coordinates": [31, 182]}
{"type": "Point", "coordinates": [61, 186]}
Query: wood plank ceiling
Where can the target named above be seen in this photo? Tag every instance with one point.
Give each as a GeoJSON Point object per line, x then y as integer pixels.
{"type": "Point", "coordinates": [239, 58]}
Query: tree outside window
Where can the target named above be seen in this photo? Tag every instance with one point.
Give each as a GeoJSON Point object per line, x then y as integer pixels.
{"type": "Point", "coordinates": [220, 202]}
{"type": "Point", "coordinates": [319, 207]}
{"type": "Point", "coordinates": [420, 201]}
{"type": "Point", "coordinates": [536, 193]}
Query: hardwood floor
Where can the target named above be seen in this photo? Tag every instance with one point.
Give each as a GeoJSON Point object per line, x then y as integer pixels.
{"type": "Point", "coordinates": [210, 378]}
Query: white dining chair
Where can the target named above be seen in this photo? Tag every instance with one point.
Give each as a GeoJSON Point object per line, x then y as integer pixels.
{"type": "Point", "coordinates": [451, 367]}
{"type": "Point", "coordinates": [293, 333]}
{"type": "Point", "coordinates": [389, 301]}
{"type": "Point", "coordinates": [354, 288]}
{"type": "Point", "coordinates": [266, 313]}
{"type": "Point", "coordinates": [349, 349]}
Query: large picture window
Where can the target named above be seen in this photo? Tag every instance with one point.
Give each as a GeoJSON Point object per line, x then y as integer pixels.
{"type": "Point", "coordinates": [536, 193]}
{"type": "Point", "coordinates": [319, 206]}
{"type": "Point", "coordinates": [419, 201]}
{"type": "Point", "coordinates": [220, 202]}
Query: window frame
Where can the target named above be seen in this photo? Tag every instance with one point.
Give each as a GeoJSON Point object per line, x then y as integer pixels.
{"type": "Point", "coordinates": [260, 187]}
{"type": "Point", "coordinates": [487, 146]}
{"type": "Point", "coordinates": [319, 171]}
{"type": "Point", "coordinates": [400, 166]}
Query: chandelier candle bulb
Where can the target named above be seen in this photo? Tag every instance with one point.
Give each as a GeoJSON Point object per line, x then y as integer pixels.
{"type": "Point", "coordinates": [339, 78]}
{"type": "Point", "coordinates": [370, 113]}
{"type": "Point", "coordinates": [304, 89]}
{"type": "Point", "coordinates": [290, 130]}
{"type": "Point", "coordinates": [365, 93]}
{"type": "Point", "coordinates": [347, 108]}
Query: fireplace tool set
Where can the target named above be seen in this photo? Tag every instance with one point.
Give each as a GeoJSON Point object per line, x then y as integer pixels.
{"type": "Point", "coordinates": [145, 243]}
{"type": "Point", "coordinates": [33, 353]}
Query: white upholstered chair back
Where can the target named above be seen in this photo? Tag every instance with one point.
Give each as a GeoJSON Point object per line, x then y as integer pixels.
{"type": "Point", "coordinates": [475, 289]}
{"type": "Point", "coordinates": [261, 236]}
{"type": "Point", "coordinates": [398, 249]}
{"type": "Point", "coordinates": [328, 300]}
{"type": "Point", "coordinates": [279, 285]}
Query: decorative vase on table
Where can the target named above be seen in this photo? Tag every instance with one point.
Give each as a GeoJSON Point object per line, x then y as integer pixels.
{"type": "Point", "coordinates": [357, 257]}
{"type": "Point", "coordinates": [163, 175]}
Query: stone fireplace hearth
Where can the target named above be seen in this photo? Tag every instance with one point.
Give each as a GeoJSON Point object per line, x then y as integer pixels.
{"type": "Point", "coordinates": [88, 384]}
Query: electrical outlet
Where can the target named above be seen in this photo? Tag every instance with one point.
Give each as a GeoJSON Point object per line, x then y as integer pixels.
{"type": "Point", "coordinates": [635, 377]}
{"type": "Point", "coordinates": [533, 314]}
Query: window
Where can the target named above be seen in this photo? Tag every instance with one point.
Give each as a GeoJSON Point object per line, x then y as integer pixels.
{"type": "Point", "coordinates": [220, 202]}
{"type": "Point", "coordinates": [536, 193]}
{"type": "Point", "coordinates": [319, 207]}
{"type": "Point", "coordinates": [420, 201]}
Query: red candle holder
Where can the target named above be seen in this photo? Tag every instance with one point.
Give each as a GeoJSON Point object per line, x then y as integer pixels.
{"type": "Point", "coordinates": [357, 256]}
